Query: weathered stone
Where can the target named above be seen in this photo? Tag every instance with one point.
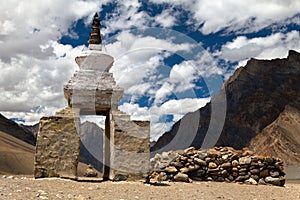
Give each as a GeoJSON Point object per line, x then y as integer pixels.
{"type": "Point", "coordinates": [224, 172]}
{"type": "Point", "coordinates": [226, 165]}
{"type": "Point", "coordinates": [199, 174]}
{"type": "Point", "coordinates": [245, 160]}
{"type": "Point", "coordinates": [213, 153]}
{"type": "Point", "coordinates": [262, 181]}
{"type": "Point", "coordinates": [57, 149]}
{"type": "Point", "coordinates": [171, 169]}
{"type": "Point", "coordinates": [200, 162]}
{"type": "Point", "coordinates": [242, 178]}
{"type": "Point", "coordinates": [220, 179]}
{"type": "Point", "coordinates": [181, 177]}
{"type": "Point", "coordinates": [254, 171]}
{"type": "Point", "coordinates": [120, 177]}
{"type": "Point", "coordinates": [251, 181]}
{"type": "Point", "coordinates": [274, 174]}
{"type": "Point", "coordinates": [176, 164]}
{"type": "Point", "coordinates": [234, 169]}
{"type": "Point", "coordinates": [212, 165]}
{"type": "Point", "coordinates": [255, 177]}
{"type": "Point", "coordinates": [192, 168]}
{"type": "Point", "coordinates": [235, 163]}
{"type": "Point", "coordinates": [91, 172]}
{"type": "Point", "coordinates": [275, 181]}
{"type": "Point", "coordinates": [184, 170]}
{"type": "Point", "coordinates": [264, 173]}
{"type": "Point", "coordinates": [269, 160]}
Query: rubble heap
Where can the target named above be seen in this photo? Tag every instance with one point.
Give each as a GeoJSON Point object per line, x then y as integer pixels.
{"type": "Point", "coordinates": [222, 164]}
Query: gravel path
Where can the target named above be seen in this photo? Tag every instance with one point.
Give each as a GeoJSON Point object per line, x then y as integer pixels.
{"type": "Point", "coordinates": [54, 188]}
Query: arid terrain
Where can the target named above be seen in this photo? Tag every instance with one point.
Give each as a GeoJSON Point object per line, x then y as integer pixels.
{"type": "Point", "coordinates": [28, 188]}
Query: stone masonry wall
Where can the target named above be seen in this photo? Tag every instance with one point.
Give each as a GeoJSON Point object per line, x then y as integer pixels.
{"type": "Point", "coordinates": [130, 148]}
{"type": "Point", "coordinates": [223, 164]}
{"type": "Point", "coordinates": [57, 148]}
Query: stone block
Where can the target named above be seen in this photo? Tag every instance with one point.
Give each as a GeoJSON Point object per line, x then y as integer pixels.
{"type": "Point", "coordinates": [57, 148]}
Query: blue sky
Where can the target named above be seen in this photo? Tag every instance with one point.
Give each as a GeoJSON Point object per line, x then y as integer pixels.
{"type": "Point", "coordinates": [170, 55]}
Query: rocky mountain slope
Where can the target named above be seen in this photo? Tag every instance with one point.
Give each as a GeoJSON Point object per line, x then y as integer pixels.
{"type": "Point", "coordinates": [262, 102]}
{"type": "Point", "coordinates": [16, 156]}
{"type": "Point", "coordinates": [91, 145]}
{"type": "Point", "coordinates": [16, 130]}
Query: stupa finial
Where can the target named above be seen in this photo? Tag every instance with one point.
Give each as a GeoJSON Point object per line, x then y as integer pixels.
{"type": "Point", "coordinates": [95, 36]}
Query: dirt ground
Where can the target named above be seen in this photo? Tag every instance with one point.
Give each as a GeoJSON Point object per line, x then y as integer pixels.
{"type": "Point", "coordinates": [54, 188]}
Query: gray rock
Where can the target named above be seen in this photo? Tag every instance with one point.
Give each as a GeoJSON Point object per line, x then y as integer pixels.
{"type": "Point", "coordinates": [199, 174]}
{"type": "Point", "coordinates": [274, 174]}
{"type": "Point", "coordinates": [242, 178]}
{"type": "Point", "coordinates": [245, 160]}
{"type": "Point", "coordinates": [275, 181]}
{"type": "Point", "coordinates": [220, 179]}
{"type": "Point", "coordinates": [261, 181]}
{"type": "Point", "coordinates": [120, 177]}
{"type": "Point", "coordinates": [250, 181]}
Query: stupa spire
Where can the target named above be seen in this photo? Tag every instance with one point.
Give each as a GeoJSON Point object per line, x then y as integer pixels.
{"type": "Point", "coordinates": [95, 36]}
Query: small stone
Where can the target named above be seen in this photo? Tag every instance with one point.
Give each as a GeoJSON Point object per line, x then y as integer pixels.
{"type": "Point", "coordinates": [224, 172]}
{"type": "Point", "coordinates": [213, 153]}
{"type": "Point", "coordinates": [10, 177]}
{"type": "Point", "coordinates": [275, 181]}
{"type": "Point", "coordinates": [79, 197]}
{"type": "Point", "coordinates": [176, 164]}
{"type": "Point", "coordinates": [189, 151]}
{"type": "Point", "coordinates": [274, 174]}
{"type": "Point", "coordinates": [269, 160]}
{"type": "Point", "coordinates": [181, 177]}
{"type": "Point", "coordinates": [255, 177]}
{"type": "Point", "coordinates": [90, 172]}
{"type": "Point", "coordinates": [3, 176]}
{"type": "Point", "coordinates": [198, 175]}
{"type": "Point", "coordinates": [184, 170]}
{"type": "Point", "coordinates": [250, 181]}
{"type": "Point", "coordinates": [243, 169]}
{"type": "Point", "coordinates": [261, 181]}
{"type": "Point", "coordinates": [212, 165]}
{"type": "Point", "coordinates": [120, 177]}
{"type": "Point", "coordinates": [200, 162]}
{"type": "Point", "coordinates": [254, 171]}
{"type": "Point", "coordinates": [264, 173]}
{"type": "Point", "coordinates": [235, 163]}
{"type": "Point", "coordinates": [230, 178]}
{"type": "Point", "coordinates": [165, 155]}
{"type": "Point", "coordinates": [171, 169]}
{"type": "Point", "coordinates": [242, 178]}
{"type": "Point", "coordinates": [245, 160]}
{"type": "Point", "coordinates": [225, 157]}
{"type": "Point", "coordinates": [226, 165]}
{"type": "Point", "coordinates": [220, 179]}
{"type": "Point", "coordinates": [234, 169]}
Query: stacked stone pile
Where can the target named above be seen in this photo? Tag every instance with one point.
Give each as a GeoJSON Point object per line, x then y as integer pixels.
{"type": "Point", "coordinates": [222, 164]}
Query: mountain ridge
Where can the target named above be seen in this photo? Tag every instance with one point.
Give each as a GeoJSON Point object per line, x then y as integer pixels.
{"type": "Point", "coordinates": [255, 95]}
